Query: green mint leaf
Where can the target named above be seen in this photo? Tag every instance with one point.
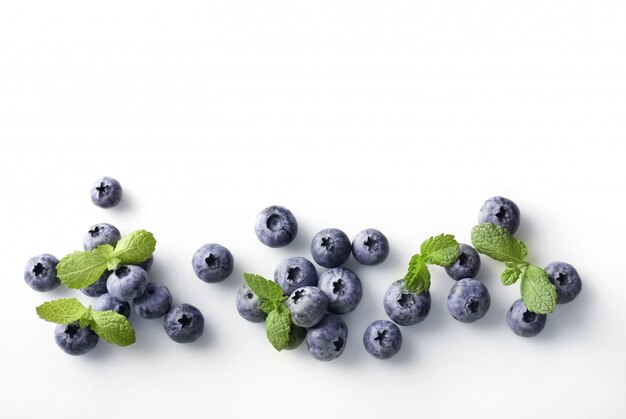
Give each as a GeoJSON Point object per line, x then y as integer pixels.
{"type": "Point", "coordinates": [538, 293]}
{"type": "Point", "coordinates": [113, 327]}
{"type": "Point", "coordinates": [86, 319]}
{"type": "Point", "coordinates": [278, 326]}
{"type": "Point", "coordinates": [80, 269]}
{"type": "Point", "coordinates": [510, 275]}
{"type": "Point", "coordinates": [267, 306]}
{"type": "Point", "coordinates": [265, 289]}
{"type": "Point", "coordinates": [106, 250]}
{"type": "Point", "coordinates": [61, 311]}
{"type": "Point", "coordinates": [113, 264]}
{"type": "Point", "coordinates": [417, 279]}
{"type": "Point", "coordinates": [497, 243]}
{"type": "Point", "coordinates": [135, 248]}
{"type": "Point", "coordinates": [440, 250]}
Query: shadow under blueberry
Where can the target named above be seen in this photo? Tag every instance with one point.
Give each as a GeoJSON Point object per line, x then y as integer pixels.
{"type": "Point", "coordinates": [126, 204]}
{"type": "Point", "coordinates": [569, 320]}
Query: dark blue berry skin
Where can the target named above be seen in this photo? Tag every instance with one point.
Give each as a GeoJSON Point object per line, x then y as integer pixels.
{"type": "Point", "coordinates": [107, 302]}
{"type": "Point", "coordinates": [184, 323]}
{"type": "Point", "coordinates": [99, 287]}
{"type": "Point", "coordinates": [249, 305]}
{"type": "Point", "coordinates": [127, 282]}
{"type": "Point", "coordinates": [147, 264]}
{"type": "Point", "coordinates": [40, 272]}
{"type": "Point", "coordinates": [154, 302]}
{"type": "Point", "coordinates": [370, 247]}
{"type": "Point", "coordinates": [405, 307]}
{"type": "Point", "coordinates": [330, 248]}
{"type": "Point", "coordinates": [468, 300]}
{"type": "Point", "coordinates": [295, 272]}
{"type": "Point", "coordinates": [212, 263]}
{"type": "Point", "coordinates": [327, 339]}
{"type": "Point", "coordinates": [74, 340]}
{"type": "Point", "coordinates": [500, 211]}
{"type": "Point", "coordinates": [566, 280]}
{"type": "Point", "coordinates": [342, 288]}
{"type": "Point", "coordinates": [308, 306]}
{"type": "Point", "coordinates": [276, 226]}
{"type": "Point", "coordinates": [467, 265]}
{"type": "Point", "coordinates": [524, 322]}
{"type": "Point", "coordinates": [106, 192]}
{"type": "Point", "coordinates": [382, 339]}
{"type": "Point", "coordinates": [100, 234]}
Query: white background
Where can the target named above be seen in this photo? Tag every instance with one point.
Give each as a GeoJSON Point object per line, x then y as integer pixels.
{"type": "Point", "coordinates": [399, 115]}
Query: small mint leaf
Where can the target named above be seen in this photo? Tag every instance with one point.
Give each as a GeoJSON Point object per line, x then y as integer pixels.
{"type": "Point", "coordinates": [510, 275]}
{"type": "Point", "coordinates": [497, 243]}
{"type": "Point", "coordinates": [113, 264]}
{"type": "Point", "coordinates": [440, 250]}
{"type": "Point", "coordinates": [86, 319]}
{"type": "Point", "coordinates": [135, 248]}
{"type": "Point", "coordinates": [417, 279]}
{"type": "Point", "coordinates": [61, 311]}
{"type": "Point", "coordinates": [265, 289]}
{"type": "Point", "coordinates": [80, 269]}
{"type": "Point", "coordinates": [106, 250]}
{"type": "Point", "coordinates": [538, 293]}
{"type": "Point", "coordinates": [267, 306]}
{"type": "Point", "coordinates": [113, 327]}
{"type": "Point", "coordinates": [278, 327]}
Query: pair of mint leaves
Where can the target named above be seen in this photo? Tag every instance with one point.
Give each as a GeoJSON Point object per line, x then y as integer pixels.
{"type": "Point", "coordinates": [278, 322]}
{"type": "Point", "coordinates": [109, 325]}
{"type": "Point", "coordinates": [538, 293]}
{"type": "Point", "coordinates": [441, 250]}
{"type": "Point", "coordinates": [81, 269]}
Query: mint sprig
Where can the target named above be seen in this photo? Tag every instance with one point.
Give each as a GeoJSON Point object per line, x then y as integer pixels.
{"type": "Point", "coordinates": [278, 322]}
{"type": "Point", "coordinates": [442, 250]}
{"type": "Point", "coordinates": [109, 325]}
{"type": "Point", "coordinates": [81, 269]}
{"type": "Point", "coordinates": [538, 293]}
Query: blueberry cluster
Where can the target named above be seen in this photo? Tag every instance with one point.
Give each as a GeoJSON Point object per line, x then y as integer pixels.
{"type": "Point", "coordinates": [523, 322]}
{"type": "Point", "coordinates": [315, 302]}
{"type": "Point", "coordinates": [119, 289]}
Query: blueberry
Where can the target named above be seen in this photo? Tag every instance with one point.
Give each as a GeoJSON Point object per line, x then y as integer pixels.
{"type": "Point", "coordinates": [147, 264]}
{"type": "Point", "coordinates": [184, 323]}
{"type": "Point", "coordinates": [370, 247]}
{"type": "Point", "coordinates": [249, 305]}
{"type": "Point", "coordinates": [154, 302]}
{"type": "Point", "coordinates": [276, 226]}
{"type": "Point", "coordinates": [296, 337]}
{"type": "Point", "coordinates": [101, 234]}
{"type": "Point", "coordinates": [75, 340]}
{"type": "Point", "coordinates": [566, 280]}
{"type": "Point", "coordinates": [307, 305]}
{"type": "Point", "coordinates": [468, 300]}
{"type": "Point", "coordinates": [342, 288]}
{"type": "Point", "coordinates": [40, 272]}
{"type": "Point", "coordinates": [99, 287]}
{"type": "Point", "coordinates": [106, 192]}
{"type": "Point", "coordinates": [330, 248]}
{"type": "Point", "coordinates": [382, 339]}
{"type": "Point", "coordinates": [212, 263]}
{"type": "Point", "coordinates": [327, 339]}
{"type": "Point", "coordinates": [127, 282]}
{"type": "Point", "coordinates": [524, 322]}
{"type": "Point", "coordinates": [295, 272]}
{"type": "Point", "coordinates": [405, 307]}
{"type": "Point", "coordinates": [467, 265]}
{"type": "Point", "coordinates": [500, 211]}
{"type": "Point", "coordinates": [107, 302]}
